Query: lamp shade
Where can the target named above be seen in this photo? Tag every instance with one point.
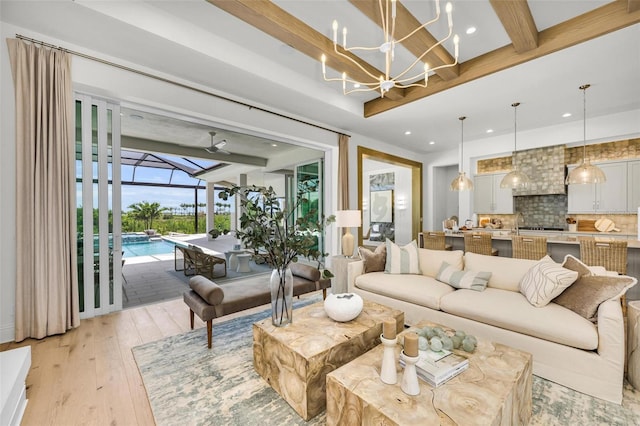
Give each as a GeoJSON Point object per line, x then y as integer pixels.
{"type": "Point", "coordinates": [348, 218]}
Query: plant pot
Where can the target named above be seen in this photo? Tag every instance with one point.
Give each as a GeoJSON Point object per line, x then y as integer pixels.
{"type": "Point", "coordinates": [281, 284]}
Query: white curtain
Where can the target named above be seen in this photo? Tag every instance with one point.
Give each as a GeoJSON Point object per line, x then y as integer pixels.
{"type": "Point", "coordinates": [46, 283]}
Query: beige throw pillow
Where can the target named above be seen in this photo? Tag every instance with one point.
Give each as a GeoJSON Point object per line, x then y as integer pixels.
{"type": "Point", "coordinates": [575, 264]}
{"type": "Point", "coordinates": [589, 291]}
{"type": "Point", "coordinates": [373, 261]}
{"type": "Point", "coordinates": [546, 280]}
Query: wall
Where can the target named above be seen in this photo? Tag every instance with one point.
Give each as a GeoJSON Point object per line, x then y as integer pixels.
{"type": "Point", "coordinates": [447, 200]}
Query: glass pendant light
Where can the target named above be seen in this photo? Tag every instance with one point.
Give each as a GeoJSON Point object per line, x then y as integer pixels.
{"type": "Point", "coordinates": [515, 179]}
{"type": "Point", "coordinates": [461, 182]}
{"type": "Point", "coordinates": [585, 172]}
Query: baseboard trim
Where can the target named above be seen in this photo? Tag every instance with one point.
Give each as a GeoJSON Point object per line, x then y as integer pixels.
{"type": "Point", "coordinates": [7, 333]}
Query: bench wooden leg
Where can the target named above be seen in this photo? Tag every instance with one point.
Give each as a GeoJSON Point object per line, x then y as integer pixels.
{"type": "Point", "coordinates": [191, 317]}
{"type": "Point", "coordinates": [209, 332]}
{"type": "Point", "coordinates": [324, 293]}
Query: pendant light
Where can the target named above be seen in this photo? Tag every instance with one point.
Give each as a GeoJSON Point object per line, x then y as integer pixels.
{"type": "Point", "coordinates": [515, 179]}
{"type": "Point", "coordinates": [461, 182]}
{"type": "Point", "coordinates": [585, 172]}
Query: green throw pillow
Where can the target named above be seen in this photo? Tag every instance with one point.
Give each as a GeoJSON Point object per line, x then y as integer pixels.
{"type": "Point", "coordinates": [471, 280]}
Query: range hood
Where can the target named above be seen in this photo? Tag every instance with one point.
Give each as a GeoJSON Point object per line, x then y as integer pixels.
{"type": "Point", "coordinates": [545, 168]}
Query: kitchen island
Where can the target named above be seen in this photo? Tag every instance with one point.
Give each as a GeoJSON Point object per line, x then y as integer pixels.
{"type": "Point", "coordinates": [559, 244]}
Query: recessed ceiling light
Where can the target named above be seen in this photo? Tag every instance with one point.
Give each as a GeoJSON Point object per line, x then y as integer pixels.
{"type": "Point", "coordinates": [489, 130]}
{"type": "Point", "coordinates": [566, 114]}
{"type": "Point", "coordinates": [432, 142]}
{"type": "Point", "coordinates": [136, 117]}
{"type": "Point", "coordinates": [356, 85]}
{"type": "Point", "coordinates": [471, 30]}
{"type": "Point", "coordinates": [274, 144]}
{"type": "Point", "coordinates": [408, 132]}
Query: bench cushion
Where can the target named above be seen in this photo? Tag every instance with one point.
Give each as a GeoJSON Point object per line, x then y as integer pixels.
{"type": "Point", "coordinates": [305, 271]}
{"type": "Point", "coordinates": [207, 289]}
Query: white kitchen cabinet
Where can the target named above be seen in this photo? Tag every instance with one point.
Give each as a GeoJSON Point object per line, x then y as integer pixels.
{"type": "Point", "coordinates": [633, 186]}
{"type": "Point", "coordinates": [606, 197]}
{"type": "Point", "coordinates": [488, 197]}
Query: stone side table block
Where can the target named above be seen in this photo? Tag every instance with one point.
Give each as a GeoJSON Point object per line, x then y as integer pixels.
{"type": "Point", "coordinates": [496, 389]}
{"type": "Point", "coordinates": [295, 360]}
{"type": "Point", "coordinates": [633, 344]}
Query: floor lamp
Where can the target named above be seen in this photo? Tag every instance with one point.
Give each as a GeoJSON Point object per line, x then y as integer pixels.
{"type": "Point", "coordinates": [348, 219]}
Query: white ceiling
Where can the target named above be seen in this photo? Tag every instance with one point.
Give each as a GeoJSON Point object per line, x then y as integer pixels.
{"type": "Point", "coordinates": [196, 41]}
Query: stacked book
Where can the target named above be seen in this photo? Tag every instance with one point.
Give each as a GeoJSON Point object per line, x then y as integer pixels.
{"type": "Point", "coordinates": [437, 368]}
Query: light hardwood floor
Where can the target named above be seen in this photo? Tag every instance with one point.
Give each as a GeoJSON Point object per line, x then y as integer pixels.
{"type": "Point", "coordinates": [88, 376]}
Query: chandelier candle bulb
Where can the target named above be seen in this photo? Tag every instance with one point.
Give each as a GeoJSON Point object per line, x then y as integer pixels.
{"type": "Point", "coordinates": [389, 328]}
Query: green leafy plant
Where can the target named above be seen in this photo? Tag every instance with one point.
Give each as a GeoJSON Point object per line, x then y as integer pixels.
{"type": "Point", "coordinates": [280, 235]}
{"type": "Point", "coordinates": [146, 212]}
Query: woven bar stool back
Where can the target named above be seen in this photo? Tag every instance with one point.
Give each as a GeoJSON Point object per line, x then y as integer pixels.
{"type": "Point", "coordinates": [528, 247]}
{"type": "Point", "coordinates": [434, 240]}
{"type": "Point", "coordinates": [480, 243]}
{"type": "Point", "coordinates": [612, 255]}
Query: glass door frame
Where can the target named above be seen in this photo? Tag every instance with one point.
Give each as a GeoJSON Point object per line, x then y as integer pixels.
{"type": "Point", "coordinates": [109, 283]}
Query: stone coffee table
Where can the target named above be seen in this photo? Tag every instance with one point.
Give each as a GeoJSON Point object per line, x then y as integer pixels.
{"type": "Point", "coordinates": [295, 359]}
{"type": "Point", "coordinates": [496, 389]}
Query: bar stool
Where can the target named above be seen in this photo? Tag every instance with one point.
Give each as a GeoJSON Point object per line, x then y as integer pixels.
{"type": "Point", "coordinates": [612, 255]}
{"type": "Point", "coordinates": [479, 242]}
{"type": "Point", "coordinates": [433, 240]}
{"type": "Point", "coordinates": [528, 247]}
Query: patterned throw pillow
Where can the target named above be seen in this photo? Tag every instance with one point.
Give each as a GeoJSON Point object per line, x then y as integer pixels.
{"type": "Point", "coordinates": [546, 280]}
{"type": "Point", "coordinates": [373, 261]}
{"type": "Point", "coordinates": [463, 279]}
{"type": "Point", "coordinates": [589, 291]}
{"type": "Point", "coordinates": [402, 260]}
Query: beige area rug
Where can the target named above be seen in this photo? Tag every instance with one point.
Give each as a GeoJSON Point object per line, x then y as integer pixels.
{"type": "Point", "coordinates": [190, 385]}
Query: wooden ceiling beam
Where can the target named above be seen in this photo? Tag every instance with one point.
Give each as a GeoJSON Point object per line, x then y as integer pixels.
{"type": "Point", "coordinates": [603, 20]}
{"type": "Point", "coordinates": [517, 20]}
{"type": "Point", "coordinates": [633, 5]}
{"type": "Point", "coordinates": [416, 44]}
{"type": "Point", "coordinates": [276, 22]}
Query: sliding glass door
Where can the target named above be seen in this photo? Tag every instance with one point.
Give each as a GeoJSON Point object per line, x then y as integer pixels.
{"type": "Point", "coordinates": [98, 205]}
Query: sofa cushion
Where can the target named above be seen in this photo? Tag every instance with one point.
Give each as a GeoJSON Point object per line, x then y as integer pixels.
{"type": "Point", "coordinates": [307, 272]}
{"type": "Point", "coordinates": [431, 260]}
{"type": "Point", "coordinates": [211, 292]}
{"type": "Point", "coordinates": [472, 280]}
{"type": "Point", "coordinates": [511, 311]}
{"type": "Point", "coordinates": [589, 291]}
{"type": "Point", "coordinates": [546, 280]}
{"type": "Point", "coordinates": [402, 260]}
{"type": "Point", "coordinates": [373, 261]}
{"type": "Point", "coordinates": [506, 272]}
{"type": "Point", "coordinates": [418, 289]}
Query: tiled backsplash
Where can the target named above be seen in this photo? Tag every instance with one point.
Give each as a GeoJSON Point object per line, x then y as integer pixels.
{"type": "Point", "coordinates": [542, 210]}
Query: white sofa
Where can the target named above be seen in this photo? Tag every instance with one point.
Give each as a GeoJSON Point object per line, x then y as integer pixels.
{"type": "Point", "coordinates": [566, 348]}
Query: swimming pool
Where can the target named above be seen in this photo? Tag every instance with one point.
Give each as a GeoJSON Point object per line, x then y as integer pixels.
{"type": "Point", "coordinates": [149, 248]}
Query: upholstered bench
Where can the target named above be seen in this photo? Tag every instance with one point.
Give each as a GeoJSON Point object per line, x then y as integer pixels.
{"type": "Point", "coordinates": [209, 300]}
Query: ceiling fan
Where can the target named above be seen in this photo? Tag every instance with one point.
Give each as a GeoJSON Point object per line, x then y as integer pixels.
{"type": "Point", "coordinates": [216, 148]}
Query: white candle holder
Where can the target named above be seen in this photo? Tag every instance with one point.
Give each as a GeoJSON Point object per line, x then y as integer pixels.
{"type": "Point", "coordinates": [388, 372]}
{"type": "Point", "coordinates": [409, 383]}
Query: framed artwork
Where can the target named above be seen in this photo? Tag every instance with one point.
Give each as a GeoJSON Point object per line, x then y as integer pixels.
{"type": "Point", "coordinates": [381, 206]}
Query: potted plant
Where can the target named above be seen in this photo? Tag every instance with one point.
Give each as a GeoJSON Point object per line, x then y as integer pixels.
{"type": "Point", "coordinates": [280, 234]}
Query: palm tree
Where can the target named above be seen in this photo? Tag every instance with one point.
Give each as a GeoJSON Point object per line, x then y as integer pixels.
{"type": "Point", "coordinates": [146, 212]}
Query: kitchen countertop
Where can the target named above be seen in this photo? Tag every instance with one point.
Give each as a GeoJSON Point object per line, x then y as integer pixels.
{"type": "Point", "coordinates": [556, 237]}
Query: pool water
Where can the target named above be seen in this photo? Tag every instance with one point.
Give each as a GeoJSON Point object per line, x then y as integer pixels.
{"type": "Point", "coordinates": [149, 248]}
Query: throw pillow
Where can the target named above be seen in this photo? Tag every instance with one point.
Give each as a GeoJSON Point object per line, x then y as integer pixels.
{"type": "Point", "coordinates": [402, 260]}
{"type": "Point", "coordinates": [589, 291]}
{"type": "Point", "coordinates": [373, 261]}
{"type": "Point", "coordinates": [463, 279]}
{"type": "Point", "coordinates": [546, 280]}
{"type": "Point", "coordinates": [575, 264]}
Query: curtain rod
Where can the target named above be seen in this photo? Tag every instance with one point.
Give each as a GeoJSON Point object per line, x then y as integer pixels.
{"type": "Point", "coordinates": [175, 83]}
